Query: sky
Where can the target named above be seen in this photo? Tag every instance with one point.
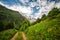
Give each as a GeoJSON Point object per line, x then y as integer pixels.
{"type": "Point", "coordinates": [31, 9]}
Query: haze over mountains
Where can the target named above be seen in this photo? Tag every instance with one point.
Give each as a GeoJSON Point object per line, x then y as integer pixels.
{"type": "Point", "coordinates": [31, 9]}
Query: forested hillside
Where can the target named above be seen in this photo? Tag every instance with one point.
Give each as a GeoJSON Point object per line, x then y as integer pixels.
{"type": "Point", "coordinates": [11, 19]}
{"type": "Point", "coordinates": [10, 22]}
{"type": "Point", "coordinates": [48, 27]}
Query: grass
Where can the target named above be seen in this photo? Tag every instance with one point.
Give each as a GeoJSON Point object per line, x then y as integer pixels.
{"type": "Point", "coordinates": [6, 35]}
{"type": "Point", "coordinates": [19, 37]}
{"type": "Point", "coordinates": [45, 30]}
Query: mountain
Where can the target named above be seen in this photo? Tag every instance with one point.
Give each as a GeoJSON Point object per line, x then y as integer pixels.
{"type": "Point", "coordinates": [11, 19]}
{"type": "Point", "coordinates": [47, 29]}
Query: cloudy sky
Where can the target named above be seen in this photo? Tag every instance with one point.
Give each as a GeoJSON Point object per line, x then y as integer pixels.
{"type": "Point", "coordinates": [31, 9]}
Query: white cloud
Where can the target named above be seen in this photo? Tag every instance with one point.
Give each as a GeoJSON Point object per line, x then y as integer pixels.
{"type": "Point", "coordinates": [23, 1]}
{"type": "Point", "coordinates": [44, 8]}
{"type": "Point", "coordinates": [25, 11]}
{"type": "Point", "coordinates": [57, 5]}
{"type": "Point", "coordinates": [22, 9]}
{"type": "Point", "coordinates": [33, 4]}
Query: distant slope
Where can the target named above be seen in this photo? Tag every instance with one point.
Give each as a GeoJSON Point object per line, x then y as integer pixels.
{"type": "Point", "coordinates": [48, 29]}
{"type": "Point", "coordinates": [11, 19]}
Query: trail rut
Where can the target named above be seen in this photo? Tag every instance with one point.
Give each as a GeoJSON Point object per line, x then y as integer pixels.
{"type": "Point", "coordinates": [14, 37]}
{"type": "Point", "coordinates": [24, 36]}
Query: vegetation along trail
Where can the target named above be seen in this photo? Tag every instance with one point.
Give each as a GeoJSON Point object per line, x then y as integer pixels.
{"type": "Point", "coordinates": [24, 36]}
{"type": "Point", "coordinates": [15, 36]}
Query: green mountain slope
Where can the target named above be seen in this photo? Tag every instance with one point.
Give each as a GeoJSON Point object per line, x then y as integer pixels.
{"type": "Point", "coordinates": [48, 29]}
{"type": "Point", "coordinates": [11, 19]}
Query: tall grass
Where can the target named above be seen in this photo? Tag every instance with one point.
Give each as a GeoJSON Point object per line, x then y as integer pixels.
{"type": "Point", "coordinates": [45, 30]}
{"type": "Point", "coordinates": [6, 35]}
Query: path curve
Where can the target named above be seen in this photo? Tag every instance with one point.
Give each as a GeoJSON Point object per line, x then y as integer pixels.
{"type": "Point", "coordinates": [14, 37]}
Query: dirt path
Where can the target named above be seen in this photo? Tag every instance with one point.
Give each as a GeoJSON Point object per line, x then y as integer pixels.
{"type": "Point", "coordinates": [15, 36]}
{"type": "Point", "coordinates": [24, 36]}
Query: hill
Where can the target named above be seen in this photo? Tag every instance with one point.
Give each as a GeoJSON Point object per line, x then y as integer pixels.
{"type": "Point", "coordinates": [47, 29]}
{"type": "Point", "coordinates": [10, 19]}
